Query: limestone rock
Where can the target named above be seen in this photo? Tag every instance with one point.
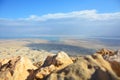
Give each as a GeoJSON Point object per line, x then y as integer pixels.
{"type": "Point", "coordinates": [105, 52]}
{"type": "Point", "coordinates": [116, 67]}
{"type": "Point", "coordinates": [115, 57]}
{"type": "Point", "coordinates": [54, 63]}
{"type": "Point", "coordinates": [103, 65]}
{"type": "Point", "coordinates": [15, 68]}
{"type": "Point", "coordinates": [86, 68]}
{"type": "Point", "coordinates": [110, 55]}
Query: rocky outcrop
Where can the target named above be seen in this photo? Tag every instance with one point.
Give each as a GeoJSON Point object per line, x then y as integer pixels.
{"type": "Point", "coordinates": [15, 68]}
{"type": "Point", "coordinates": [110, 55]}
{"type": "Point", "coordinates": [54, 63]}
{"type": "Point", "coordinates": [105, 52]}
{"type": "Point", "coordinates": [113, 57]}
{"type": "Point", "coordinates": [116, 67]}
{"type": "Point", "coordinates": [86, 68]}
{"type": "Point", "coordinates": [103, 65]}
{"type": "Point", "coordinates": [21, 68]}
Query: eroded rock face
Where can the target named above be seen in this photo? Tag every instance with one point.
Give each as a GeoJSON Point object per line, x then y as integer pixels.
{"type": "Point", "coordinates": [116, 67]}
{"type": "Point", "coordinates": [54, 63]}
{"type": "Point", "coordinates": [113, 57]}
{"type": "Point", "coordinates": [86, 68]}
{"type": "Point", "coordinates": [15, 68]}
{"type": "Point", "coordinates": [110, 55]}
{"type": "Point", "coordinates": [105, 52]}
{"type": "Point", "coordinates": [61, 67]}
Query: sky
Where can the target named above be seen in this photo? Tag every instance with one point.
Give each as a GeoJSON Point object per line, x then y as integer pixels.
{"type": "Point", "coordinates": [29, 18]}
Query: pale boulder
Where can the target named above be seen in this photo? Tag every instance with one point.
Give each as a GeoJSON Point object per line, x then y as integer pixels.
{"type": "Point", "coordinates": [15, 68]}
{"type": "Point", "coordinates": [54, 63]}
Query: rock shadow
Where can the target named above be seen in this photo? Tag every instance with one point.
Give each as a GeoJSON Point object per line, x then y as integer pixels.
{"type": "Point", "coordinates": [53, 47]}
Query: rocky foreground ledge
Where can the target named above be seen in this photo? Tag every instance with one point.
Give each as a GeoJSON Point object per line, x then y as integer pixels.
{"type": "Point", "coordinates": [102, 65]}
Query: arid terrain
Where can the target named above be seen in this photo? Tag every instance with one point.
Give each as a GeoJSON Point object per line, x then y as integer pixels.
{"type": "Point", "coordinates": [70, 46]}
{"type": "Point", "coordinates": [35, 59]}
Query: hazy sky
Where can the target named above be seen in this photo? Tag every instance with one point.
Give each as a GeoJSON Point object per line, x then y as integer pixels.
{"type": "Point", "coordinates": [26, 18]}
